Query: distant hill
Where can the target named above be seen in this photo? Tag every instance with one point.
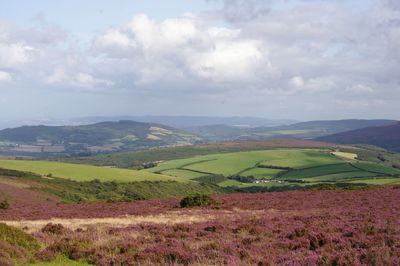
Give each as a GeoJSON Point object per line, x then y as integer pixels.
{"type": "Point", "coordinates": [181, 122]}
{"type": "Point", "coordinates": [99, 137]}
{"type": "Point", "coordinates": [302, 130]}
{"type": "Point", "coordinates": [387, 137]}
{"type": "Point", "coordinates": [184, 122]}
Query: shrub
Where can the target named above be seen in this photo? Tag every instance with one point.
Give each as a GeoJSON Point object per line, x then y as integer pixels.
{"type": "Point", "coordinates": [197, 200]}
{"type": "Point", "coordinates": [55, 229]}
{"type": "Point", "coordinates": [396, 165]}
{"type": "Point", "coordinates": [4, 205]}
{"type": "Point", "coordinates": [149, 165]}
{"type": "Point", "coordinates": [16, 246]}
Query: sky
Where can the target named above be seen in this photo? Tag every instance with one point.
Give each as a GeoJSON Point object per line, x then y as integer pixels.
{"type": "Point", "coordinates": [283, 59]}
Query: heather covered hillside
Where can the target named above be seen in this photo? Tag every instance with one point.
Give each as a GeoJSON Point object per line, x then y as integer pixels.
{"type": "Point", "coordinates": [338, 227]}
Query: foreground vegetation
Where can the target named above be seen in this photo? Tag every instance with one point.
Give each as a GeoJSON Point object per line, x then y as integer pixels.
{"type": "Point", "coordinates": [70, 191]}
{"type": "Point", "coordinates": [358, 227]}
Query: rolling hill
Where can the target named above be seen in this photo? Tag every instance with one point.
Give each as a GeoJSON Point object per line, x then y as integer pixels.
{"type": "Point", "coordinates": [302, 130]}
{"type": "Point", "coordinates": [387, 137]}
{"type": "Point", "coordinates": [95, 138]}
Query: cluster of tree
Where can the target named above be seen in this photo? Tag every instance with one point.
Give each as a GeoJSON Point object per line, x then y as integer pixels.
{"type": "Point", "coordinates": [274, 167]}
{"type": "Point", "coordinates": [197, 200]}
{"type": "Point", "coordinates": [243, 179]}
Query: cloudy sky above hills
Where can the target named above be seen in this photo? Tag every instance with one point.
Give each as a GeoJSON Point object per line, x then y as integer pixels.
{"type": "Point", "coordinates": [298, 59]}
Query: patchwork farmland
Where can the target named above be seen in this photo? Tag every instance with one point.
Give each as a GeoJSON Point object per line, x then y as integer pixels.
{"type": "Point", "coordinates": [277, 167]}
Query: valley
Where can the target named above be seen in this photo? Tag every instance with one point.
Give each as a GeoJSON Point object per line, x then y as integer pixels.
{"type": "Point", "coordinates": [124, 206]}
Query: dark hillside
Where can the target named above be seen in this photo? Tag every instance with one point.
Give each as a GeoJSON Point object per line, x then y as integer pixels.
{"type": "Point", "coordinates": [387, 137]}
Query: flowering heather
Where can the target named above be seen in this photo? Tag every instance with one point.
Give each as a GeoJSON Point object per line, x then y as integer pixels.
{"type": "Point", "coordinates": [287, 228]}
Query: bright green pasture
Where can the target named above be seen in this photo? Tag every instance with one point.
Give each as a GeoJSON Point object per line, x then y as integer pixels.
{"type": "Point", "coordinates": [301, 159]}
{"type": "Point", "coordinates": [319, 171]}
{"type": "Point", "coordinates": [342, 176]}
{"type": "Point", "coordinates": [235, 183]}
{"type": "Point", "coordinates": [179, 163]}
{"type": "Point", "coordinates": [80, 172]}
{"type": "Point", "coordinates": [232, 163]}
{"type": "Point", "coordinates": [183, 173]}
{"type": "Point", "coordinates": [378, 181]}
{"type": "Point", "coordinates": [261, 172]}
{"type": "Point", "coordinates": [377, 168]}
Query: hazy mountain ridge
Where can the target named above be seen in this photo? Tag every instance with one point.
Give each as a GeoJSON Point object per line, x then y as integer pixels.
{"type": "Point", "coordinates": [124, 135]}
{"type": "Point", "coordinates": [387, 137]}
{"type": "Point", "coordinates": [302, 130]}
{"type": "Point", "coordinates": [99, 137]}
{"type": "Point", "coordinates": [181, 122]}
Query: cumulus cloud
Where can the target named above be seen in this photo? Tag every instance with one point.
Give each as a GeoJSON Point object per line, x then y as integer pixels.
{"type": "Point", "coordinates": [5, 76]}
{"type": "Point", "coordinates": [360, 89]}
{"type": "Point", "coordinates": [257, 56]}
{"type": "Point", "coordinates": [81, 80]}
{"type": "Point", "coordinates": [15, 54]}
{"type": "Point", "coordinates": [183, 48]}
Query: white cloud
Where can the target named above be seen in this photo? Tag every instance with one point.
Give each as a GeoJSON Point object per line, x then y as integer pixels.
{"type": "Point", "coordinates": [237, 58]}
{"type": "Point", "coordinates": [297, 81]}
{"type": "Point", "coordinates": [319, 84]}
{"type": "Point", "coordinates": [360, 89]}
{"type": "Point", "coordinates": [182, 48]}
{"type": "Point", "coordinates": [5, 76]}
{"type": "Point", "coordinates": [113, 38]}
{"type": "Point", "coordinates": [61, 76]}
{"type": "Point", "coordinates": [15, 54]}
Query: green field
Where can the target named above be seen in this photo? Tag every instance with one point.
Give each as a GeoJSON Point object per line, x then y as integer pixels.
{"type": "Point", "coordinates": [301, 159]}
{"type": "Point", "coordinates": [79, 172]}
{"type": "Point", "coordinates": [288, 166]}
{"type": "Point", "coordinates": [261, 173]}
{"type": "Point", "coordinates": [319, 171]}
{"type": "Point", "coordinates": [375, 168]}
{"type": "Point", "coordinates": [234, 183]}
{"type": "Point", "coordinates": [342, 176]}
{"type": "Point", "coordinates": [183, 173]}
{"type": "Point", "coordinates": [378, 181]}
{"type": "Point", "coordinates": [283, 166]}
{"type": "Point", "coordinates": [233, 163]}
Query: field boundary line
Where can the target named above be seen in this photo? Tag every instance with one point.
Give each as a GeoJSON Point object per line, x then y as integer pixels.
{"type": "Point", "coordinates": [373, 172]}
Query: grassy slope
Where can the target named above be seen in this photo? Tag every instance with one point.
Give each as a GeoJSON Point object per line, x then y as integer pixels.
{"type": "Point", "coordinates": [183, 173]}
{"type": "Point", "coordinates": [233, 163]}
{"type": "Point", "coordinates": [72, 191]}
{"type": "Point", "coordinates": [135, 159]}
{"type": "Point", "coordinates": [261, 172]}
{"type": "Point", "coordinates": [312, 166]}
{"type": "Point", "coordinates": [319, 171]}
{"type": "Point", "coordinates": [370, 167]}
{"type": "Point", "coordinates": [80, 172]}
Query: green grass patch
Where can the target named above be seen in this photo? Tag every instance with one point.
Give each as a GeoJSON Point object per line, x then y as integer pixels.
{"type": "Point", "coordinates": [260, 173]}
{"type": "Point", "coordinates": [79, 172]}
{"type": "Point", "coordinates": [341, 176]}
{"type": "Point", "coordinates": [377, 181]}
{"type": "Point", "coordinates": [232, 163]}
{"type": "Point", "coordinates": [318, 171]}
{"type": "Point", "coordinates": [377, 168]}
{"type": "Point", "coordinates": [301, 159]}
{"type": "Point", "coordinates": [234, 183]}
{"type": "Point", "coordinates": [183, 173]}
